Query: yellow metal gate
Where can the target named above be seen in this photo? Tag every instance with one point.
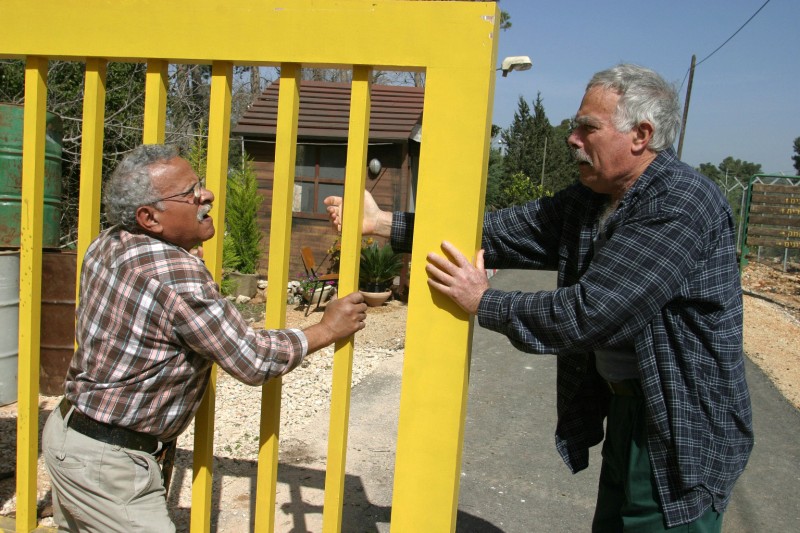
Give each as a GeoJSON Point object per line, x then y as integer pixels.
{"type": "Point", "coordinates": [453, 43]}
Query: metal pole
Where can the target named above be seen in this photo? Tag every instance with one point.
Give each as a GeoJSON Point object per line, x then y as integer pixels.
{"type": "Point", "coordinates": [544, 158]}
{"type": "Point", "coordinates": [686, 107]}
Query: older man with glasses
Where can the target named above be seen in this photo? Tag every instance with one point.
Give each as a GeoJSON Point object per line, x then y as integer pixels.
{"type": "Point", "coordinates": [150, 324]}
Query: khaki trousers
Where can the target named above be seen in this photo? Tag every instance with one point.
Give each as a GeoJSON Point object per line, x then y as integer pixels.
{"type": "Point", "coordinates": [99, 487]}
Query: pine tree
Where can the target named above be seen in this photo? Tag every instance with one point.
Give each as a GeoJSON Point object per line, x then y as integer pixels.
{"type": "Point", "coordinates": [241, 219]}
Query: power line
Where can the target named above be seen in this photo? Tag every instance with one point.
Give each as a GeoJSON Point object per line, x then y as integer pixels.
{"type": "Point", "coordinates": [726, 40]}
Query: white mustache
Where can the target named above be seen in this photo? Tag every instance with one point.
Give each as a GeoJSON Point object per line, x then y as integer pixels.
{"type": "Point", "coordinates": [581, 156]}
{"type": "Point", "coordinates": [203, 211]}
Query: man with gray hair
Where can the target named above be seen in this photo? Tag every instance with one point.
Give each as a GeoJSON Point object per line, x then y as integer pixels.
{"type": "Point", "coordinates": [150, 324]}
{"type": "Point", "coordinates": [646, 321]}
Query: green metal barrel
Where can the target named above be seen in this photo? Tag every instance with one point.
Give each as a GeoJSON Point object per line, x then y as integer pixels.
{"type": "Point", "coordinates": [11, 178]}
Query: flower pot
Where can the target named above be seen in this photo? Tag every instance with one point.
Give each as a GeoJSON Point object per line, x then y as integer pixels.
{"type": "Point", "coordinates": [320, 294]}
{"type": "Point", "coordinates": [375, 299]}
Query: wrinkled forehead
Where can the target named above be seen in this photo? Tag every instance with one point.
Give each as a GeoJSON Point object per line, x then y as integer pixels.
{"type": "Point", "coordinates": [598, 103]}
{"type": "Point", "coordinates": [175, 173]}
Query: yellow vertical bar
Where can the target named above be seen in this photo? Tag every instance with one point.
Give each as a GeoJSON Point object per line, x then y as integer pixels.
{"type": "Point", "coordinates": [433, 395]}
{"type": "Point", "coordinates": [94, 106]}
{"type": "Point", "coordinates": [355, 178]}
{"type": "Point", "coordinates": [278, 274]}
{"type": "Point", "coordinates": [30, 288]}
{"type": "Point", "coordinates": [219, 129]}
{"type": "Point", "coordinates": [155, 102]}
{"type": "Point", "coordinates": [219, 134]}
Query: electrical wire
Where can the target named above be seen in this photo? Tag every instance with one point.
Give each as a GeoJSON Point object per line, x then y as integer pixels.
{"type": "Point", "coordinates": [726, 42]}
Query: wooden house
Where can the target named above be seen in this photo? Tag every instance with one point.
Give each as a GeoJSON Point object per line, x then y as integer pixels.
{"type": "Point", "coordinates": [395, 124]}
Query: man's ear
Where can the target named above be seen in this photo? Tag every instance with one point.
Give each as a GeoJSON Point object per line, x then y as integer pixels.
{"type": "Point", "coordinates": [147, 218]}
{"type": "Point", "coordinates": [642, 135]}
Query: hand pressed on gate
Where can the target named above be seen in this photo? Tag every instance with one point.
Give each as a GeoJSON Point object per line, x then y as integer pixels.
{"type": "Point", "coordinates": [457, 278]}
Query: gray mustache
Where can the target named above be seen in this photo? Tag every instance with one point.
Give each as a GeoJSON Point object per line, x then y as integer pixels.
{"type": "Point", "coordinates": [581, 156]}
{"type": "Point", "coordinates": [203, 211]}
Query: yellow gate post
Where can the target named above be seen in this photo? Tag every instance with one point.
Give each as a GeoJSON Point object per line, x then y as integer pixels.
{"type": "Point", "coordinates": [30, 288]}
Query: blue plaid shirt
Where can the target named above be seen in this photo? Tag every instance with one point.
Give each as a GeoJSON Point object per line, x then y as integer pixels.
{"type": "Point", "coordinates": [665, 282]}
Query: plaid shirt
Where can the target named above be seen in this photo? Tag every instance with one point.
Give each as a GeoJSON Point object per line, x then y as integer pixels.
{"type": "Point", "coordinates": [150, 324]}
{"type": "Point", "coordinates": [666, 282]}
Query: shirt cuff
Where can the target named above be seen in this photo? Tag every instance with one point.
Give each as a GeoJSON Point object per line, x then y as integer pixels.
{"type": "Point", "coordinates": [297, 359]}
{"type": "Point", "coordinates": [402, 232]}
{"type": "Point", "coordinates": [493, 310]}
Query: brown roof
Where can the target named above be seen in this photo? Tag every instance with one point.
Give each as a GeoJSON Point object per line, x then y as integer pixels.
{"type": "Point", "coordinates": [324, 111]}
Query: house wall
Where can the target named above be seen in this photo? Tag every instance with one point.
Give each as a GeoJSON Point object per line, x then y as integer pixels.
{"type": "Point", "coordinates": [389, 188]}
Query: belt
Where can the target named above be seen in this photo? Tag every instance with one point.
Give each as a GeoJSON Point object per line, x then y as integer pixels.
{"type": "Point", "coordinates": [115, 435]}
{"type": "Point", "coordinates": [628, 387]}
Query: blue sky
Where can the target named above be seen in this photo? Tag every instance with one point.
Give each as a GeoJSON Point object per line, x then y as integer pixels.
{"type": "Point", "coordinates": [745, 99]}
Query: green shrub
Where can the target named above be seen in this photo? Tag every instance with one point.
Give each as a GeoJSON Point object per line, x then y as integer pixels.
{"type": "Point", "coordinates": [243, 235]}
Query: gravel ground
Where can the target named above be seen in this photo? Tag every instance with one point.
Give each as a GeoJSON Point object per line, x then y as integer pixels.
{"type": "Point", "coordinates": [304, 391]}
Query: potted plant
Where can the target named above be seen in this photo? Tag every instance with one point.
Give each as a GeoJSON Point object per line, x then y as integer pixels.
{"type": "Point", "coordinates": [378, 267]}
{"type": "Point", "coordinates": [314, 290]}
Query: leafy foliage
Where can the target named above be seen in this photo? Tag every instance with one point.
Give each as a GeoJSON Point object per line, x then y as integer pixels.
{"type": "Point", "coordinates": [379, 264]}
{"type": "Point", "coordinates": [523, 189]}
{"type": "Point", "coordinates": [796, 156]}
{"type": "Point", "coordinates": [241, 219]}
{"type": "Point", "coordinates": [124, 110]}
{"type": "Point", "coordinates": [730, 175]}
{"type": "Point", "coordinates": [537, 161]}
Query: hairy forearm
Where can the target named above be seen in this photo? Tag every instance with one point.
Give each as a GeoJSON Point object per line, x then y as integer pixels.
{"type": "Point", "coordinates": [383, 225]}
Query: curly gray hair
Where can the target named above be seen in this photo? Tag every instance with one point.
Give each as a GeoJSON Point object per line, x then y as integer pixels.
{"type": "Point", "coordinates": [130, 185]}
{"type": "Point", "coordinates": [644, 97]}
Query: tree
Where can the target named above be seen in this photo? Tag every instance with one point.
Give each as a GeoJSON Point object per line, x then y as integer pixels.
{"type": "Point", "coordinates": [495, 181]}
{"type": "Point", "coordinates": [534, 149]}
{"type": "Point", "coordinates": [124, 109]}
{"type": "Point", "coordinates": [241, 218]}
{"type": "Point", "coordinates": [561, 168]}
{"type": "Point", "coordinates": [732, 175]}
{"type": "Point", "coordinates": [518, 140]}
{"type": "Point", "coordinates": [796, 156]}
{"type": "Point", "coordinates": [711, 171]}
{"type": "Point", "coordinates": [187, 114]}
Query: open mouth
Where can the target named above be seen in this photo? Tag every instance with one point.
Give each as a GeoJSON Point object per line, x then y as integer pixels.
{"type": "Point", "coordinates": [202, 213]}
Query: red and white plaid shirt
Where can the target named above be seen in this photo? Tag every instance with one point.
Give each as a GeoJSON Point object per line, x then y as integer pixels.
{"type": "Point", "coordinates": [150, 323]}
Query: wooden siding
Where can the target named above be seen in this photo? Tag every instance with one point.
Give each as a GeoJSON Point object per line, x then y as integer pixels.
{"type": "Point", "coordinates": [324, 112]}
{"type": "Point", "coordinates": [389, 188]}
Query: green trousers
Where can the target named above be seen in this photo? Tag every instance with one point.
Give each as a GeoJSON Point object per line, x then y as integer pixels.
{"type": "Point", "coordinates": [627, 499]}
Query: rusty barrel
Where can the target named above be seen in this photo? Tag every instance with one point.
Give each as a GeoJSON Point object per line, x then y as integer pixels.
{"type": "Point", "coordinates": [57, 338]}
{"type": "Point", "coordinates": [11, 125]}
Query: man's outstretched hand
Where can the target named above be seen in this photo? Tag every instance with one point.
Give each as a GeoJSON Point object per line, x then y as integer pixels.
{"type": "Point", "coordinates": [375, 221]}
{"type": "Point", "coordinates": [457, 278]}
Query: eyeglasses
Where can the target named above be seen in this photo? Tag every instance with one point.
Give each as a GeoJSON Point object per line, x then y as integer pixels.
{"type": "Point", "coordinates": [196, 190]}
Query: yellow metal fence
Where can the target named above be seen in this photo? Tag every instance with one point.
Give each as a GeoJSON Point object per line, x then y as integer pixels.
{"type": "Point", "coordinates": [454, 43]}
